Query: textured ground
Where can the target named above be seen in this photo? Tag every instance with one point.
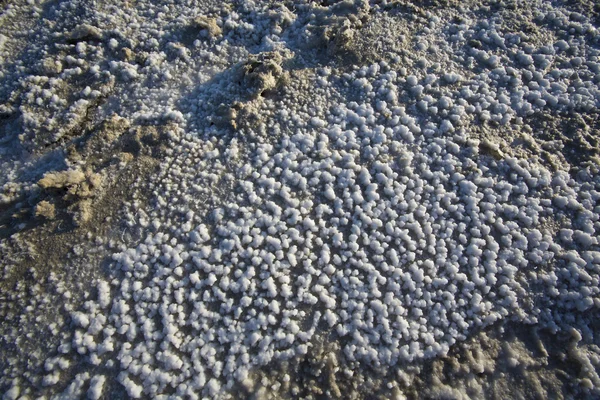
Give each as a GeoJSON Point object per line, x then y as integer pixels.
{"type": "Point", "coordinates": [336, 199]}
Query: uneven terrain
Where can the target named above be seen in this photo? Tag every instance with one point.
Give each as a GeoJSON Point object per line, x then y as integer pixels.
{"type": "Point", "coordinates": [310, 199]}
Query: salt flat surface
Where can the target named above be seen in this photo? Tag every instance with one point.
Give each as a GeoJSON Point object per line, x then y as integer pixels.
{"type": "Point", "coordinates": [337, 199]}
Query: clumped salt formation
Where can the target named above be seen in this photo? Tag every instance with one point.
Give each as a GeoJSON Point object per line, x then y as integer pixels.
{"type": "Point", "coordinates": [394, 207]}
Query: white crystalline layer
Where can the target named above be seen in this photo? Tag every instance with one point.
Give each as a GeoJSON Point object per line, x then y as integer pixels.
{"type": "Point", "coordinates": [133, 389]}
{"type": "Point", "coordinates": [103, 294]}
{"type": "Point", "coordinates": [96, 386]}
{"type": "Point", "coordinates": [383, 220]}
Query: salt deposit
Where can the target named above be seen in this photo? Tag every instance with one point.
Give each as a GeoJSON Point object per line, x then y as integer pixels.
{"type": "Point", "coordinates": [314, 188]}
